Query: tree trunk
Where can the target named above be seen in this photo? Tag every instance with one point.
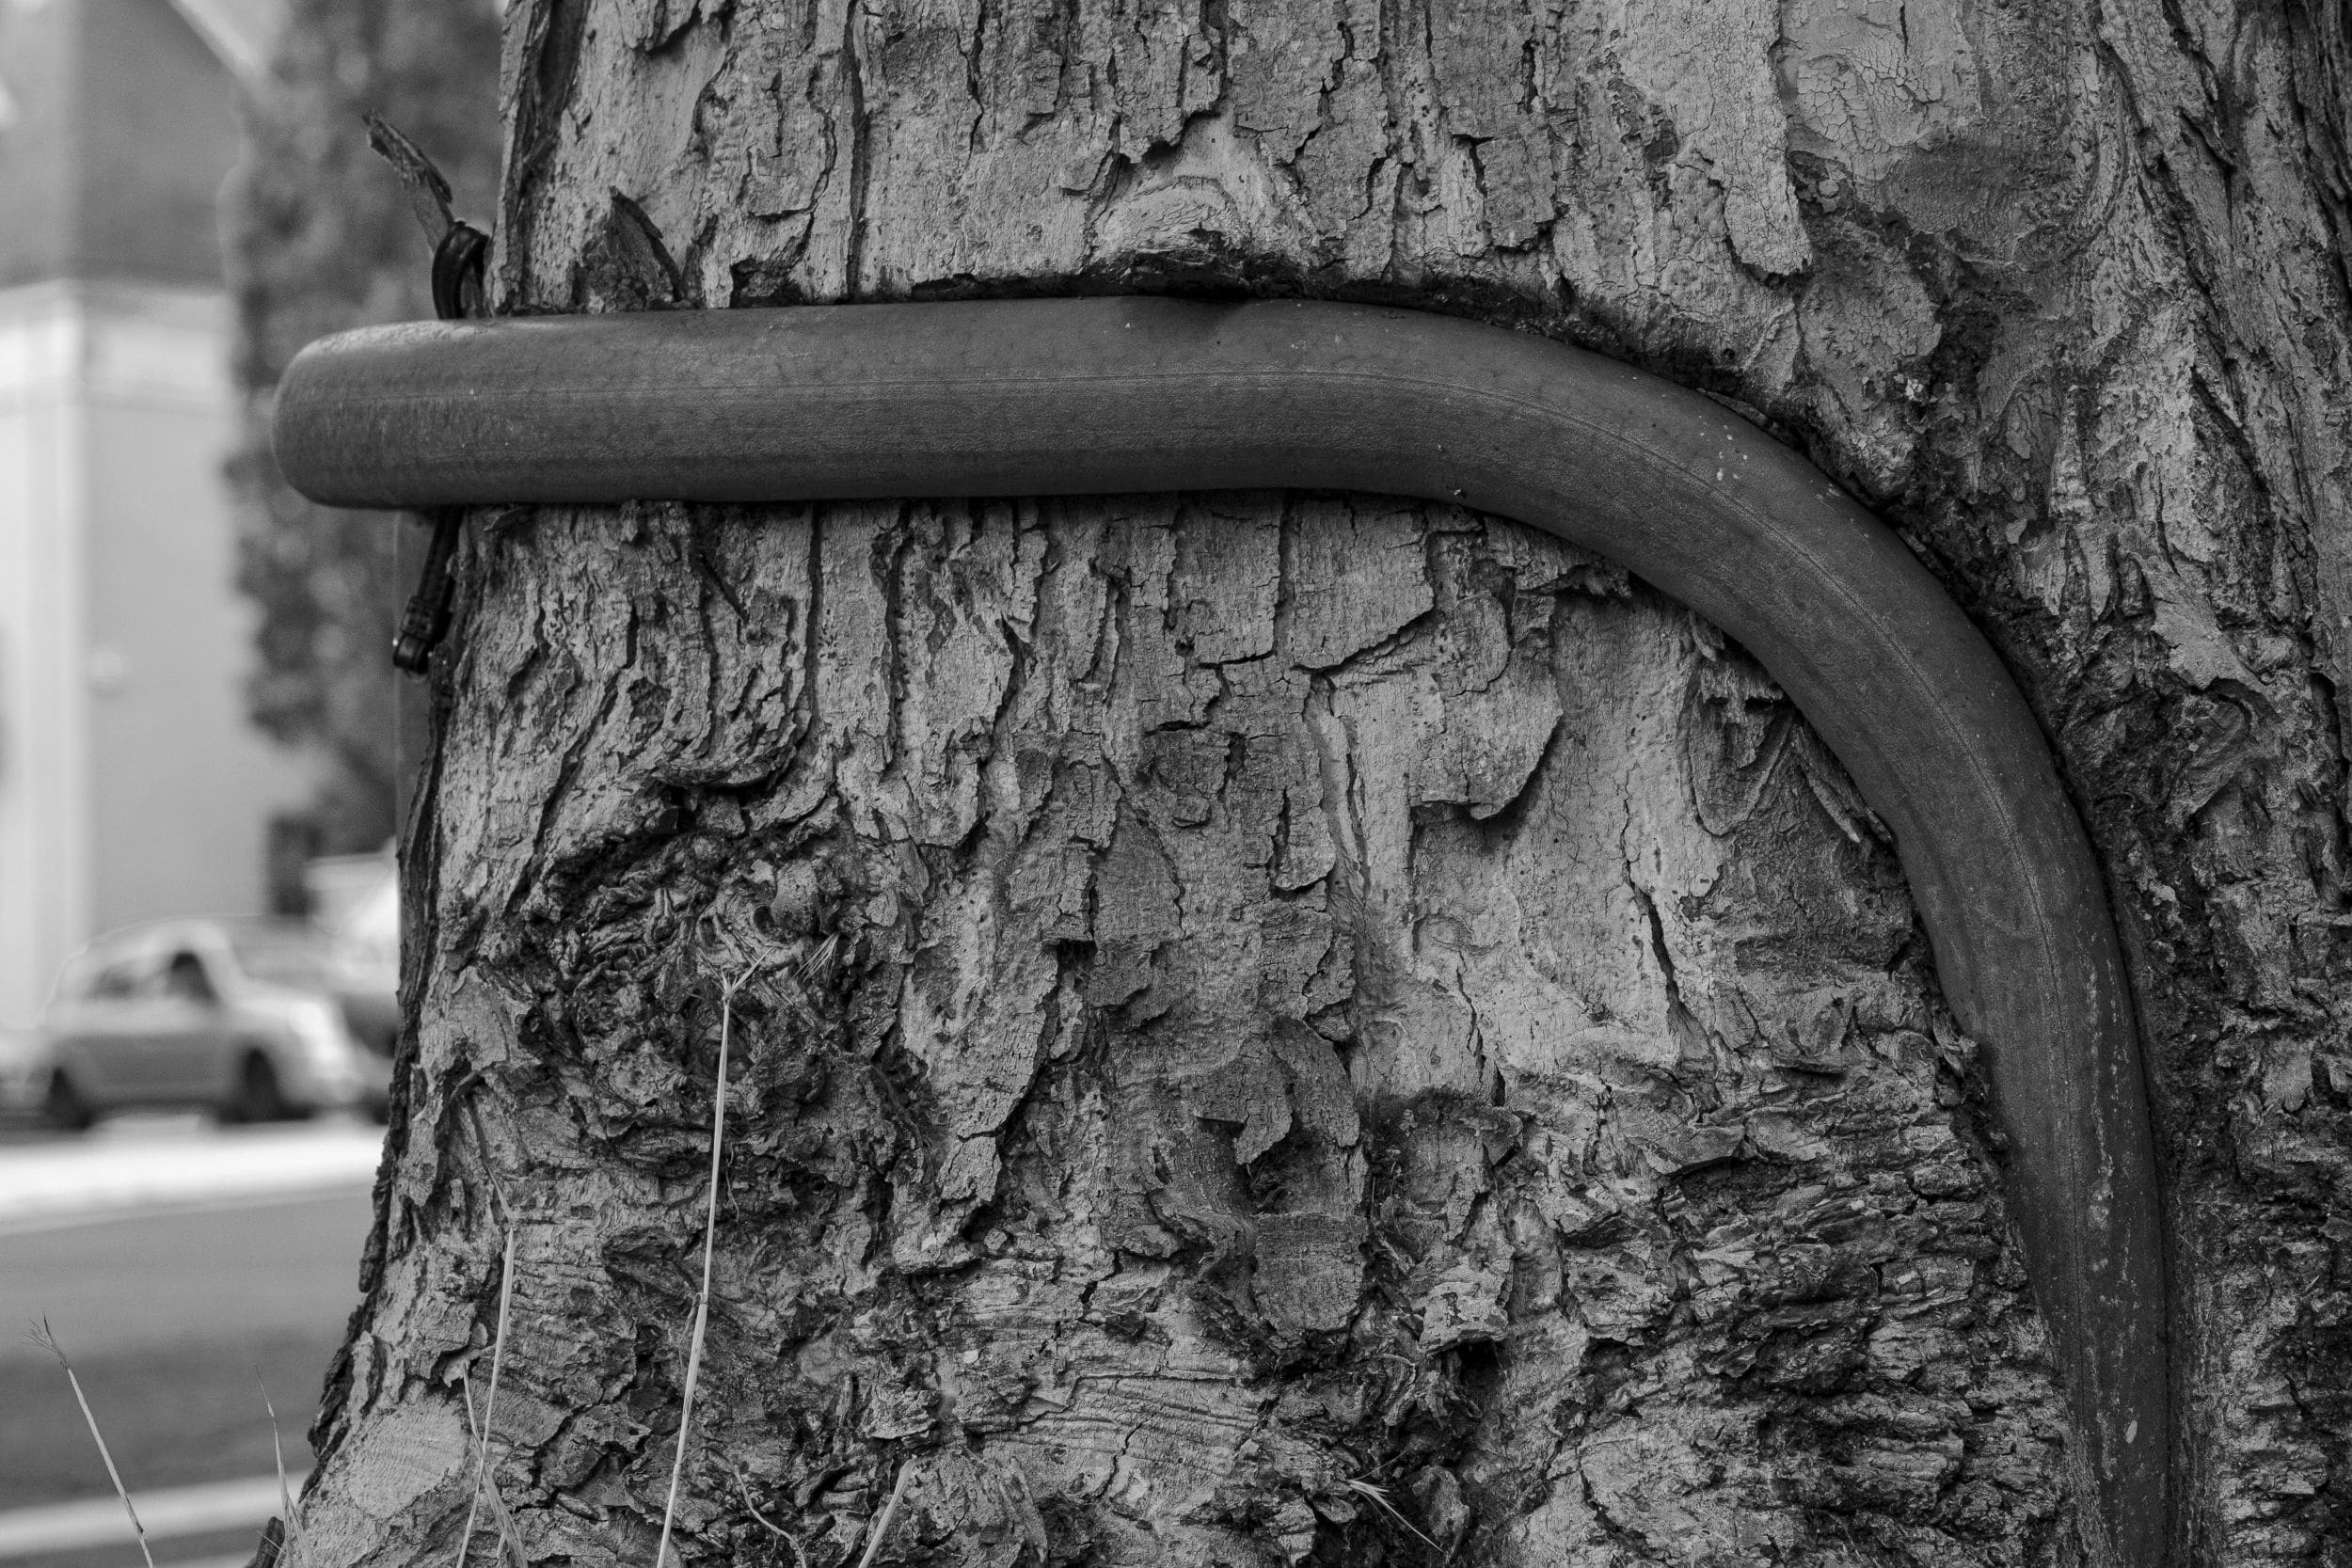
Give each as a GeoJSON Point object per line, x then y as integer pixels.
{"type": "Point", "coordinates": [1283, 1028]}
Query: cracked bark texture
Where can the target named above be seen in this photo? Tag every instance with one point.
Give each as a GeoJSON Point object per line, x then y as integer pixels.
{"type": "Point", "coordinates": [1303, 1029]}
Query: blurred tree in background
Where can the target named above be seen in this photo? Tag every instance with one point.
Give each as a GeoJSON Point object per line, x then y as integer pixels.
{"type": "Point", "coordinates": [319, 238]}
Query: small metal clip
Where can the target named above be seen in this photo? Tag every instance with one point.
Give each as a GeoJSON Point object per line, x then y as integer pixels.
{"type": "Point", "coordinates": [457, 271]}
{"type": "Point", "coordinates": [459, 250]}
{"type": "Point", "coordinates": [425, 621]}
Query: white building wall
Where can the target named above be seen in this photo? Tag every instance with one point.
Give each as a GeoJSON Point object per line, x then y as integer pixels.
{"type": "Point", "coordinates": [131, 787]}
{"type": "Point", "coordinates": [44, 729]}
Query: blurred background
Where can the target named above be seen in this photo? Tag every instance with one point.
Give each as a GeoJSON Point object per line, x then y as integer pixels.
{"type": "Point", "coordinates": [205, 752]}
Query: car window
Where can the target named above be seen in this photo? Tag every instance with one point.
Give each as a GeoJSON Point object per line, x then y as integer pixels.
{"type": "Point", "coordinates": [117, 980]}
{"type": "Point", "coordinates": [181, 978]}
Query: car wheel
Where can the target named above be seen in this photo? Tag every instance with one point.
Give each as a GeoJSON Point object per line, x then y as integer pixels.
{"type": "Point", "coordinates": [258, 1097]}
{"type": "Point", "coordinates": [64, 1106]}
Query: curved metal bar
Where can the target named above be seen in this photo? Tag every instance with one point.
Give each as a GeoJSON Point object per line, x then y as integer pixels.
{"type": "Point", "coordinates": [1062, 397]}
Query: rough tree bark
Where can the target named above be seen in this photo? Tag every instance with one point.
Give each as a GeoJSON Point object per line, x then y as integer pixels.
{"type": "Point", "coordinates": [1305, 1028]}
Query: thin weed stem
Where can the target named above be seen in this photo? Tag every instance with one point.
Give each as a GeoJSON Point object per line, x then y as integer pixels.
{"type": "Point", "coordinates": [490, 1401]}
{"type": "Point", "coordinates": [710, 1237]}
{"type": "Point", "coordinates": [277, 1449]}
{"type": "Point", "coordinates": [889, 1517]}
{"type": "Point", "coordinates": [47, 1339]}
{"type": "Point", "coordinates": [1379, 1496]}
{"type": "Point", "coordinates": [509, 1536]}
{"type": "Point", "coordinates": [765, 1523]}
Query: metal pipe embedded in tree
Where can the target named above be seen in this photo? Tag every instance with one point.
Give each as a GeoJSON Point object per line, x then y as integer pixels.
{"type": "Point", "coordinates": [1068, 397]}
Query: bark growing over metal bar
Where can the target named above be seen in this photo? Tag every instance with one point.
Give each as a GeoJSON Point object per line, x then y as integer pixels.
{"type": "Point", "coordinates": [1015, 398]}
{"type": "Point", "coordinates": [1142, 837]}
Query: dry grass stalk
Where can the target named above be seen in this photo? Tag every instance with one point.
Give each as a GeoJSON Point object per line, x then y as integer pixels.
{"type": "Point", "coordinates": [490, 1401]}
{"type": "Point", "coordinates": [710, 1227]}
{"type": "Point", "coordinates": [509, 1536]}
{"type": "Point", "coordinates": [767, 1524]}
{"type": "Point", "coordinates": [285, 1493]}
{"type": "Point", "coordinates": [710, 1236]}
{"type": "Point", "coordinates": [880, 1537]}
{"type": "Point", "coordinates": [1380, 1498]}
{"type": "Point", "coordinates": [47, 1339]}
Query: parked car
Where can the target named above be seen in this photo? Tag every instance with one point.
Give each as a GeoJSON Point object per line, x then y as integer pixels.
{"type": "Point", "coordinates": [256, 1020]}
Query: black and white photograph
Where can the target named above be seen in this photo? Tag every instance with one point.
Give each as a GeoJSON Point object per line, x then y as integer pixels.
{"type": "Point", "coordinates": [1175, 783]}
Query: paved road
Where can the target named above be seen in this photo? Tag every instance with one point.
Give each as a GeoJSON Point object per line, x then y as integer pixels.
{"type": "Point", "coordinates": [138, 1281]}
{"type": "Point", "coordinates": [179, 1265]}
{"type": "Point", "coordinates": [157, 1230]}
